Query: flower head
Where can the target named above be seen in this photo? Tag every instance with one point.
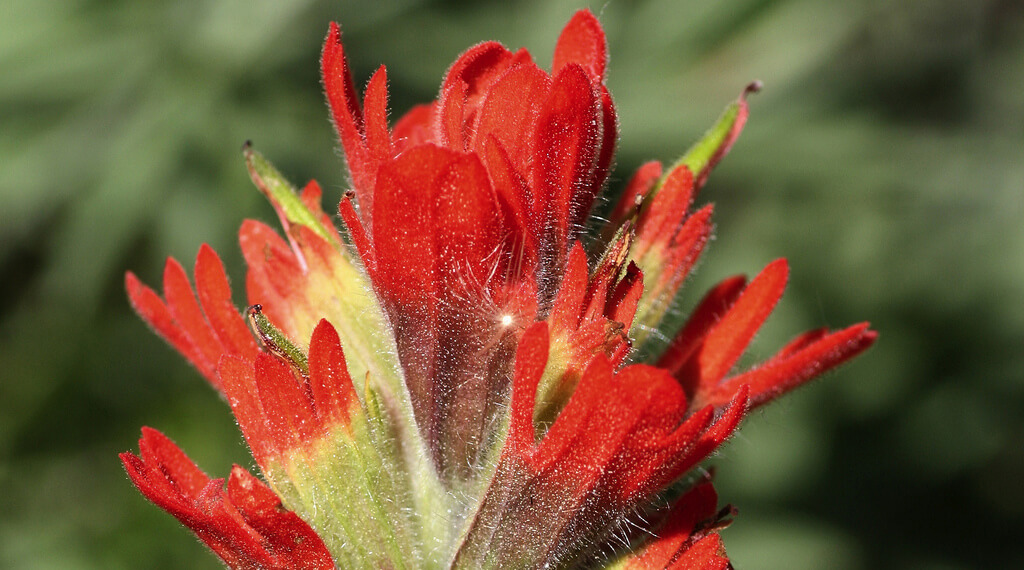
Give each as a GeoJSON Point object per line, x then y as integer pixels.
{"type": "Point", "coordinates": [452, 384]}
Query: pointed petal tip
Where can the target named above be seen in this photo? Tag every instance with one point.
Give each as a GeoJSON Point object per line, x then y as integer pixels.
{"type": "Point", "coordinates": [333, 32]}
{"type": "Point", "coordinates": [132, 284]}
{"type": "Point", "coordinates": [129, 460]}
{"type": "Point", "coordinates": [582, 41]}
{"type": "Point", "coordinates": [206, 253]}
{"type": "Point", "coordinates": [148, 432]}
{"type": "Point", "coordinates": [780, 265]}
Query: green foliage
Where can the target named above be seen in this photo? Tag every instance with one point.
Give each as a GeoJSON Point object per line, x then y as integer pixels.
{"type": "Point", "coordinates": [884, 159]}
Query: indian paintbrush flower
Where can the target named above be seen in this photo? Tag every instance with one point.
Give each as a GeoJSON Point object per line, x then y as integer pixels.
{"type": "Point", "coordinates": [451, 384]}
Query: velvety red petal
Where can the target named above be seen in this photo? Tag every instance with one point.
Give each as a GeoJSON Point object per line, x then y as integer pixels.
{"type": "Point", "coordinates": [378, 138]}
{"type": "Point", "coordinates": [239, 381]}
{"type": "Point", "coordinates": [729, 337]}
{"type": "Point", "coordinates": [330, 383]}
{"type": "Point", "coordinates": [531, 358]}
{"type": "Point", "coordinates": [311, 195]}
{"type": "Point", "coordinates": [357, 232]}
{"type": "Point", "coordinates": [185, 476]}
{"type": "Point", "coordinates": [516, 204]}
{"type": "Point", "coordinates": [565, 312]}
{"type": "Point", "coordinates": [275, 279]}
{"type": "Point", "coordinates": [215, 298]}
{"type": "Point", "coordinates": [792, 367]}
{"type": "Point", "coordinates": [245, 525]}
{"type": "Point", "coordinates": [293, 543]}
{"type": "Point", "coordinates": [609, 138]}
{"type": "Point", "coordinates": [416, 127]}
{"type": "Point", "coordinates": [582, 42]}
{"type": "Point", "coordinates": [152, 309]}
{"type": "Point", "coordinates": [567, 140]}
{"type": "Point", "coordinates": [346, 114]}
{"type": "Point", "coordinates": [706, 554]}
{"type": "Point", "coordinates": [436, 213]}
{"type": "Point", "coordinates": [509, 113]}
{"type": "Point", "coordinates": [622, 304]}
{"type": "Point", "coordinates": [285, 403]}
{"type": "Point", "coordinates": [478, 67]}
{"type": "Point", "coordinates": [708, 312]}
{"type": "Point", "coordinates": [666, 212]}
{"type": "Point", "coordinates": [451, 125]}
{"type": "Point", "coordinates": [686, 248]}
{"type": "Point", "coordinates": [181, 302]}
{"type": "Point", "coordinates": [337, 78]}
{"type": "Point", "coordinates": [711, 439]}
{"type": "Point", "coordinates": [674, 535]}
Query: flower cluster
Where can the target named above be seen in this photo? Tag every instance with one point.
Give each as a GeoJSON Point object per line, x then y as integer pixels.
{"type": "Point", "coordinates": [451, 383]}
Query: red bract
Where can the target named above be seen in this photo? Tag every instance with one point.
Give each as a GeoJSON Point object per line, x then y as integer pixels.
{"type": "Point", "coordinates": [488, 410]}
{"type": "Point", "coordinates": [243, 523]}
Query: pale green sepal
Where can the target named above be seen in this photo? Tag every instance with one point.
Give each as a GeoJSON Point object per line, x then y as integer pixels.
{"type": "Point", "coordinates": [698, 158]}
{"type": "Point", "coordinates": [352, 495]}
{"type": "Point", "coordinates": [699, 155]}
{"type": "Point", "coordinates": [281, 193]}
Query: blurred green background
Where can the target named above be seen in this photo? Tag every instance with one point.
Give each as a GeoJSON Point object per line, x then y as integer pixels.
{"type": "Point", "coordinates": [885, 159]}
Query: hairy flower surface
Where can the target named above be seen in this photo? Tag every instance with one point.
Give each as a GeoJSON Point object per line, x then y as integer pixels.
{"type": "Point", "coordinates": [451, 384]}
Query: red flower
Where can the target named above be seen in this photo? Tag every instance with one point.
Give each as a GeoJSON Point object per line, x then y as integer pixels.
{"type": "Point", "coordinates": [486, 411]}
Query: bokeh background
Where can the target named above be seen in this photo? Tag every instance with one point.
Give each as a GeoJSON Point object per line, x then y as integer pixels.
{"type": "Point", "coordinates": [885, 159]}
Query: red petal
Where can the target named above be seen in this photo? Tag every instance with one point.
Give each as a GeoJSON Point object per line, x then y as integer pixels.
{"type": "Point", "coordinates": [346, 113]}
{"type": "Point", "coordinates": [515, 199]}
{"type": "Point", "coordinates": [609, 136]}
{"type": "Point", "coordinates": [341, 90]}
{"type": "Point", "coordinates": [711, 308]}
{"type": "Point", "coordinates": [666, 212]}
{"type": "Point", "coordinates": [286, 406]}
{"type": "Point", "coordinates": [623, 303]}
{"type": "Point", "coordinates": [712, 439]}
{"type": "Point", "coordinates": [152, 309]}
{"type": "Point", "coordinates": [215, 298]}
{"type": "Point", "coordinates": [329, 379]}
{"type": "Point", "coordinates": [673, 536]}
{"type": "Point", "coordinates": [291, 540]}
{"type": "Point", "coordinates": [239, 381]}
{"type": "Point", "coordinates": [729, 337]}
{"type": "Point", "coordinates": [414, 128]}
{"type": "Point", "coordinates": [582, 41]}
{"type": "Point", "coordinates": [275, 278]}
{"type": "Point", "coordinates": [706, 554]}
{"type": "Point", "coordinates": [181, 302]}
{"type": "Point", "coordinates": [311, 195]}
{"type": "Point", "coordinates": [378, 139]}
{"type": "Point", "coordinates": [686, 248]}
{"type": "Point", "coordinates": [565, 313]}
{"type": "Point", "coordinates": [157, 449]}
{"type": "Point", "coordinates": [531, 359]}
{"type": "Point", "coordinates": [357, 232]}
{"type": "Point", "coordinates": [436, 214]}
{"type": "Point", "coordinates": [246, 525]}
{"type": "Point", "coordinates": [792, 367]}
{"type": "Point", "coordinates": [451, 126]}
{"type": "Point", "coordinates": [509, 113]}
{"type": "Point", "coordinates": [478, 67]}
{"type": "Point", "coordinates": [567, 141]}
